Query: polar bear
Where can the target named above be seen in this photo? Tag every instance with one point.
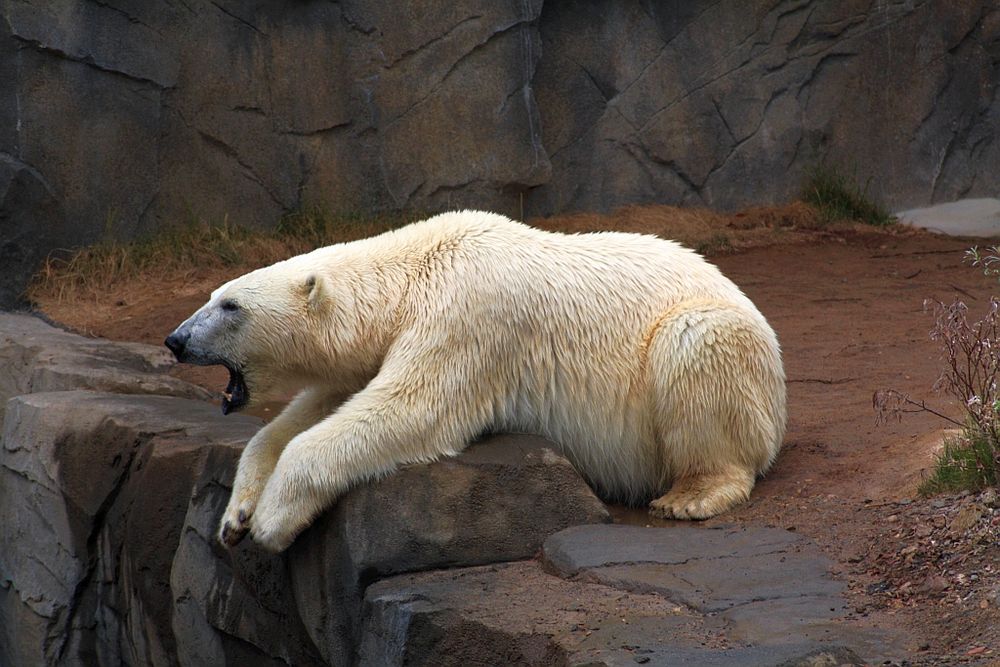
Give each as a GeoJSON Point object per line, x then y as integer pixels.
{"type": "Point", "coordinates": [651, 370]}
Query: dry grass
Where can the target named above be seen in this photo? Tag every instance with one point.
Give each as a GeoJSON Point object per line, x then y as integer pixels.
{"type": "Point", "coordinates": [183, 254]}
{"type": "Point", "coordinates": [190, 254]}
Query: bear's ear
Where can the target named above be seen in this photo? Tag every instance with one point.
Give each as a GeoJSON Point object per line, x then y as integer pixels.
{"type": "Point", "coordinates": [316, 290]}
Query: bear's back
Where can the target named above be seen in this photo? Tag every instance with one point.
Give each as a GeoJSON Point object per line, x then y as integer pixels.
{"type": "Point", "coordinates": [616, 269]}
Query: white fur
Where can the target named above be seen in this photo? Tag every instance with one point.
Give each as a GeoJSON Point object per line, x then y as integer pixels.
{"type": "Point", "coordinates": [644, 363]}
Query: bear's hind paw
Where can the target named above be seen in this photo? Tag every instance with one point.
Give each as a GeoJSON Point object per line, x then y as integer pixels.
{"type": "Point", "coordinates": [704, 496]}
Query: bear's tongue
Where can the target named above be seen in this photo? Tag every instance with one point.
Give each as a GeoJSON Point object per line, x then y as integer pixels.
{"type": "Point", "coordinates": [235, 396]}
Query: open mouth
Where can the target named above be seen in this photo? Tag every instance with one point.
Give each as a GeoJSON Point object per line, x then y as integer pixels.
{"type": "Point", "coordinates": [236, 394]}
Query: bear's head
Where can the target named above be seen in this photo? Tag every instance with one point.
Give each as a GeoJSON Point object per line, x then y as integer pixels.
{"type": "Point", "coordinates": [264, 327]}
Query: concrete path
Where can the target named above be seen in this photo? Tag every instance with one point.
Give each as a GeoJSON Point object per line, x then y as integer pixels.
{"type": "Point", "coordinates": [966, 217]}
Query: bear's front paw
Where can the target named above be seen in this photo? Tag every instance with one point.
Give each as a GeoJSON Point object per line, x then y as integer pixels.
{"type": "Point", "coordinates": [274, 526]}
{"type": "Point", "coordinates": [236, 521]}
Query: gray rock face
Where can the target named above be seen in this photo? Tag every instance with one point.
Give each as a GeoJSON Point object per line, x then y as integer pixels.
{"type": "Point", "coordinates": [616, 595]}
{"type": "Point", "coordinates": [729, 103]}
{"type": "Point", "coordinates": [37, 357]}
{"type": "Point", "coordinates": [230, 607]}
{"type": "Point", "coordinates": [26, 200]}
{"type": "Point", "coordinates": [94, 492]}
{"type": "Point", "coordinates": [114, 115]}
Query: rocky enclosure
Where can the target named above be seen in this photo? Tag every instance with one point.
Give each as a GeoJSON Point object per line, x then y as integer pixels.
{"type": "Point", "coordinates": [113, 478]}
{"type": "Point", "coordinates": [120, 117]}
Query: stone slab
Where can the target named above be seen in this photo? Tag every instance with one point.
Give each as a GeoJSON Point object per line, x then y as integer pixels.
{"type": "Point", "coordinates": [518, 614]}
{"type": "Point", "coordinates": [625, 595]}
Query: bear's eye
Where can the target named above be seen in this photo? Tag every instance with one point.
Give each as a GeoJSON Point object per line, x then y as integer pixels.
{"type": "Point", "coordinates": [230, 306]}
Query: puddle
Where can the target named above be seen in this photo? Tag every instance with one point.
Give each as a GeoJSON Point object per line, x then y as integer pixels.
{"type": "Point", "coordinates": [639, 516]}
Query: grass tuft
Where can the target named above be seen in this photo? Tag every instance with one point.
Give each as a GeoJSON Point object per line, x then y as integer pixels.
{"type": "Point", "coordinates": [967, 462]}
{"type": "Point", "coordinates": [717, 244]}
{"type": "Point", "coordinates": [838, 196]}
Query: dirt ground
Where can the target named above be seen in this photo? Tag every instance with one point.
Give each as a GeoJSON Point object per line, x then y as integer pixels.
{"type": "Point", "coordinates": [847, 304]}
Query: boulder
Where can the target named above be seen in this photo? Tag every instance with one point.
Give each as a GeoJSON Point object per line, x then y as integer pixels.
{"type": "Point", "coordinates": [38, 357]}
{"type": "Point", "coordinates": [495, 502]}
{"type": "Point", "coordinates": [510, 614]}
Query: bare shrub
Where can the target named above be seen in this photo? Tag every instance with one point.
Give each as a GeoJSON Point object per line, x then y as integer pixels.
{"type": "Point", "coordinates": [971, 366]}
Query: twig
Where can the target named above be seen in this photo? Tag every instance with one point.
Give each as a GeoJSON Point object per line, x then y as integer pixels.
{"type": "Point", "coordinates": [962, 291]}
{"type": "Point", "coordinates": [923, 408]}
{"type": "Point", "coordinates": [824, 381]}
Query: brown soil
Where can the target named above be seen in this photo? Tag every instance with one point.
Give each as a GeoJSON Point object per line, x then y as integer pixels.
{"type": "Point", "coordinates": [847, 303]}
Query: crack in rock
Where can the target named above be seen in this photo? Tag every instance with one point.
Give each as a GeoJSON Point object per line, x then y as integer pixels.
{"type": "Point", "coordinates": [89, 61]}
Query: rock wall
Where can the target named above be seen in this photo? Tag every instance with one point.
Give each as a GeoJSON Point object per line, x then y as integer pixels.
{"type": "Point", "coordinates": [121, 117]}
{"type": "Point", "coordinates": [727, 103]}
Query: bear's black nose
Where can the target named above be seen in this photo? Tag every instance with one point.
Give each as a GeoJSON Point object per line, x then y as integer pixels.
{"type": "Point", "coordinates": [176, 342]}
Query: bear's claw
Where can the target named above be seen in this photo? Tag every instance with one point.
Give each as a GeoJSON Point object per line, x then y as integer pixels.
{"type": "Point", "coordinates": [235, 523]}
{"type": "Point", "coordinates": [230, 535]}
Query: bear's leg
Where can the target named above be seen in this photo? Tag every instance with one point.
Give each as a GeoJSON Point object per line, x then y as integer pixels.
{"type": "Point", "coordinates": [718, 398]}
{"type": "Point", "coordinates": [399, 418]}
{"type": "Point", "coordinates": [261, 455]}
